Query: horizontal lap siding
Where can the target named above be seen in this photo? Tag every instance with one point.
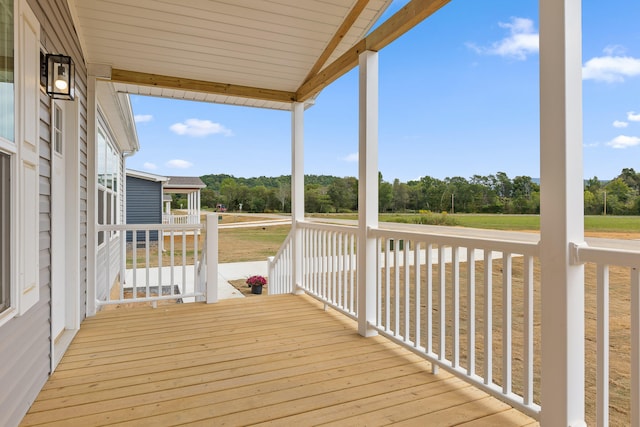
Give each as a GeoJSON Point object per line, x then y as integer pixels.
{"type": "Point", "coordinates": [25, 341]}
{"type": "Point", "coordinates": [108, 277]}
{"type": "Point", "coordinates": [144, 204]}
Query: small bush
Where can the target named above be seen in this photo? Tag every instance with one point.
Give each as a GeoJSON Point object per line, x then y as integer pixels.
{"type": "Point", "coordinates": [434, 219]}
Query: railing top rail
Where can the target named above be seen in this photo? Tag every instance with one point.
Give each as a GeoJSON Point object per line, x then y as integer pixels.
{"type": "Point", "coordinates": [499, 243]}
{"type": "Point", "coordinates": [150, 227]}
{"type": "Point", "coordinates": [326, 226]}
{"type": "Point", "coordinates": [282, 248]}
{"type": "Point", "coordinates": [625, 253]}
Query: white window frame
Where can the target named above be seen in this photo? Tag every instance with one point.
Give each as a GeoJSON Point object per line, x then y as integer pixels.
{"type": "Point", "coordinates": [24, 279]}
{"type": "Point", "coordinates": [113, 193]}
{"type": "Point", "coordinates": [11, 311]}
{"type": "Point", "coordinates": [57, 119]}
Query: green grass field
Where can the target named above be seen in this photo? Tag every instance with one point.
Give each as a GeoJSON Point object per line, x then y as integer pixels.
{"type": "Point", "coordinates": [596, 223]}
{"type": "Point", "coordinates": [532, 222]}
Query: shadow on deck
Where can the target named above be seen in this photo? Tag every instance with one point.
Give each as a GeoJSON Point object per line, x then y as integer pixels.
{"type": "Point", "coordinates": [278, 360]}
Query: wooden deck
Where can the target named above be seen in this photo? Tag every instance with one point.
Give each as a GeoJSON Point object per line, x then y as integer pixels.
{"type": "Point", "coordinates": [276, 360]}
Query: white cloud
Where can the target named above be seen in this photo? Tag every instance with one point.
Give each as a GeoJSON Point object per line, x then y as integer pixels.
{"type": "Point", "coordinates": [620, 124]}
{"type": "Point", "coordinates": [150, 166]}
{"type": "Point", "coordinates": [614, 50]}
{"type": "Point", "coordinates": [611, 69]}
{"type": "Point", "coordinates": [623, 141]}
{"type": "Point", "coordinates": [179, 164]}
{"type": "Point", "coordinates": [199, 128]}
{"type": "Point", "coordinates": [632, 116]}
{"type": "Point", "coordinates": [523, 40]}
{"type": "Point", "coordinates": [142, 118]}
{"type": "Point", "coordinates": [351, 158]}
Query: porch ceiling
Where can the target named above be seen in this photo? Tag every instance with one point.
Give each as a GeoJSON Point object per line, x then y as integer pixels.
{"type": "Point", "coordinates": [265, 53]}
{"type": "Point", "coordinates": [268, 47]}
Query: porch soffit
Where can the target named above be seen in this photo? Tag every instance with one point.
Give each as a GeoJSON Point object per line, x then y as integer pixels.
{"type": "Point", "coordinates": [229, 48]}
{"type": "Point", "coordinates": [264, 53]}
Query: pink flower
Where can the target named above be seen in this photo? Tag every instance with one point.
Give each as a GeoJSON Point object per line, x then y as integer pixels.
{"type": "Point", "coordinates": [256, 281]}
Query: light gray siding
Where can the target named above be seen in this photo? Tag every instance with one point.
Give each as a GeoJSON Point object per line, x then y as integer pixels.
{"type": "Point", "coordinates": [108, 264]}
{"type": "Point", "coordinates": [25, 341]}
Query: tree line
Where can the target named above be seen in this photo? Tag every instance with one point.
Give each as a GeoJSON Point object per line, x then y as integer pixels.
{"type": "Point", "coordinates": [496, 193]}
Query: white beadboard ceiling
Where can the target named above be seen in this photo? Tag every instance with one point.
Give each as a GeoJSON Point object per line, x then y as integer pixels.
{"type": "Point", "coordinates": [266, 44]}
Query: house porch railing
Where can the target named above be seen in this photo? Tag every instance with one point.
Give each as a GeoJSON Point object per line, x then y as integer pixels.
{"type": "Point", "coordinates": [468, 302]}
{"type": "Point", "coordinates": [171, 219]}
{"type": "Point", "coordinates": [157, 262]}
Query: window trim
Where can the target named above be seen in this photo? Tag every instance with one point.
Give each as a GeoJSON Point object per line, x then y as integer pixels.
{"type": "Point", "coordinates": [103, 187]}
{"type": "Point", "coordinates": [24, 287]}
{"type": "Point", "coordinates": [12, 310]}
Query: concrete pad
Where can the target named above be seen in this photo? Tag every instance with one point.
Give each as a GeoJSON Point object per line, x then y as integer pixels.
{"type": "Point", "coordinates": [242, 270]}
{"type": "Point", "coordinates": [185, 283]}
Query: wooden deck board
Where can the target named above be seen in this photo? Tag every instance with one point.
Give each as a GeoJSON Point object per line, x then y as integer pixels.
{"type": "Point", "coordinates": [277, 360]}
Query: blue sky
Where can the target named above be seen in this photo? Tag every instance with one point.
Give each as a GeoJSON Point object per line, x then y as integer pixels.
{"type": "Point", "coordinates": [458, 97]}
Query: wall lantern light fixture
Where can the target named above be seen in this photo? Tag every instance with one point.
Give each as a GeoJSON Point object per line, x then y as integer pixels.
{"type": "Point", "coordinates": [57, 75]}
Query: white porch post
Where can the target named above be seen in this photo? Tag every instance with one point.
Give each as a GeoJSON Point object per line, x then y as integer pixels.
{"type": "Point", "coordinates": [561, 212]}
{"type": "Point", "coordinates": [92, 193]}
{"type": "Point", "coordinates": [297, 190]}
{"type": "Point", "coordinates": [212, 258]}
{"type": "Point", "coordinates": [198, 201]}
{"type": "Point", "coordinates": [367, 191]}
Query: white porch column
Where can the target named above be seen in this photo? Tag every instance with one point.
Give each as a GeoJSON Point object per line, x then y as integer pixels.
{"type": "Point", "coordinates": [297, 190]}
{"type": "Point", "coordinates": [198, 201]}
{"type": "Point", "coordinates": [561, 212]}
{"type": "Point", "coordinates": [212, 258]}
{"type": "Point", "coordinates": [92, 195]}
{"type": "Point", "coordinates": [367, 191]}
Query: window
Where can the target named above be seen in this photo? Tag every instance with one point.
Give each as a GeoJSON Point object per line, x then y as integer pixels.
{"type": "Point", "coordinates": [6, 71]}
{"type": "Point", "coordinates": [57, 129]}
{"type": "Point", "coordinates": [108, 165]}
{"type": "Point", "coordinates": [7, 140]}
{"type": "Point", "coordinates": [19, 162]}
{"type": "Point", "coordinates": [5, 248]}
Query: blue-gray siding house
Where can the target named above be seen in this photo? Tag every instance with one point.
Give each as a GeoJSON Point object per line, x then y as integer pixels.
{"type": "Point", "coordinates": [144, 201]}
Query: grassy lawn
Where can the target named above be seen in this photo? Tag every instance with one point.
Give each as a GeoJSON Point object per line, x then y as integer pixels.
{"type": "Point", "coordinates": [498, 222]}
{"type": "Point", "coordinates": [593, 223]}
{"type": "Point", "coordinates": [250, 244]}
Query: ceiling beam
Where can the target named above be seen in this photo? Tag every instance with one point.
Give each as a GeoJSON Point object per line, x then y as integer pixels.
{"type": "Point", "coordinates": [402, 21]}
{"type": "Point", "coordinates": [346, 25]}
{"type": "Point", "coordinates": [170, 82]}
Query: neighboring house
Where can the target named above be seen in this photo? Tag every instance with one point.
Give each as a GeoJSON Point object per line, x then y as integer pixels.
{"type": "Point", "coordinates": [167, 199]}
{"type": "Point", "coordinates": [191, 187]}
{"type": "Point", "coordinates": [62, 165]}
{"type": "Point", "coordinates": [145, 198]}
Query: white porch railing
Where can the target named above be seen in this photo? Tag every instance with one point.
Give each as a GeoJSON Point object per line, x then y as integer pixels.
{"type": "Point", "coordinates": [157, 262]}
{"type": "Point", "coordinates": [450, 299]}
{"type": "Point", "coordinates": [279, 268]}
{"type": "Point", "coordinates": [470, 303]}
{"type": "Point", "coordinates": [622, 255]}
{"type": "Point", "coordinates": [425, 308]}
{"type": "Point", "coordinates": [328, 266]}
{"type": "Point", "coordinates": [171, 219]}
